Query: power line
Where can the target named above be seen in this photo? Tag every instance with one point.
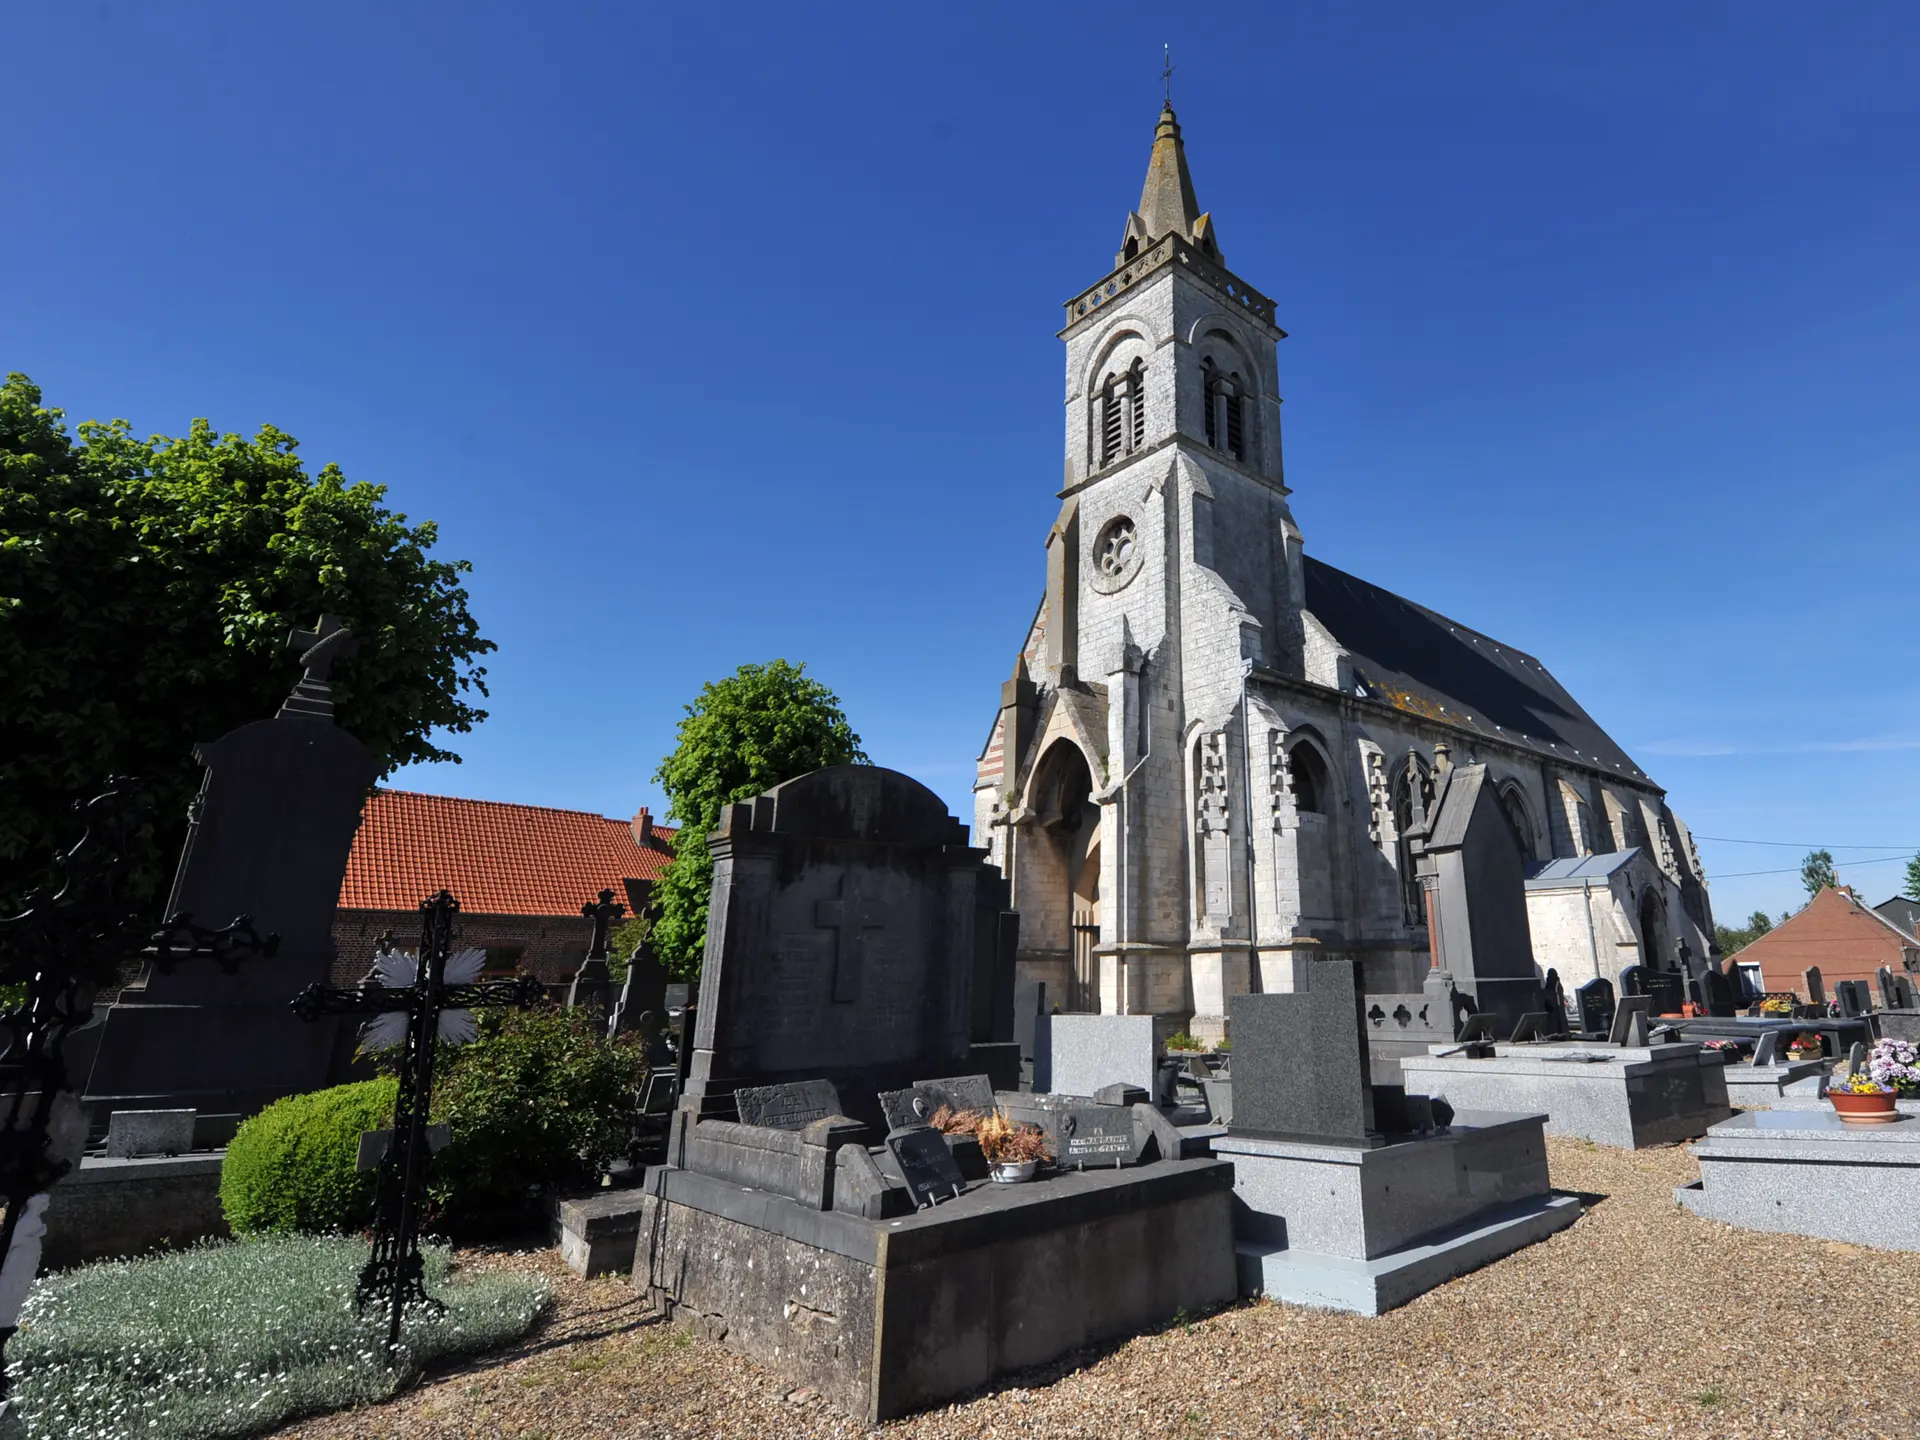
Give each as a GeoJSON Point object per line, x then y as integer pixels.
{"type": "Point", "coordinates": [1795, 870]}
{"type": "Point", "coordinates": [1790, 845]}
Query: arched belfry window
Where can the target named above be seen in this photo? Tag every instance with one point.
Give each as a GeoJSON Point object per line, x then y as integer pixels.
{"type": "Point", "coordinates": [1123, 413]}
{"type": "Point", "coordinates": [1226, 410]}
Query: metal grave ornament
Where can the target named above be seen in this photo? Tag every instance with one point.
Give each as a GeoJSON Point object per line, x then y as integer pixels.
{"type": "Point", "coordinates": [416, 1001]}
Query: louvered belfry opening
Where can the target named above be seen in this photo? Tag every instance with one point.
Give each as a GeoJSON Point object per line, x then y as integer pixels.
{"type": "Point", "coordinates": [1136, 405]}
{"type": "Point", "coordinates": [1111, 427]}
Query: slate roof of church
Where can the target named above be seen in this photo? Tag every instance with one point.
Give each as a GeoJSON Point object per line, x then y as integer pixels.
{"type": "Point", "coordinates": [1419, 661]}
{"type": "Point", "coordinates": [496, 858]}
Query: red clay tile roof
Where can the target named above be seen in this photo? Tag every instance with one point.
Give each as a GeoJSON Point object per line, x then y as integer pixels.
{"type": "Point", "coordinates": [497, 859]}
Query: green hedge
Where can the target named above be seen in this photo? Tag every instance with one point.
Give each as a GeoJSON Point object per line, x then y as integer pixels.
{"type": "Point", "coordinates": [291, 1167]}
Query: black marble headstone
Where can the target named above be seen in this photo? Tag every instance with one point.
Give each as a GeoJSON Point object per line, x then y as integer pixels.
{"type": "Point", "coordinates": [792, 1106]}
{"type": "Point", "coordinates": [927, 1165]}
{"type": "Point", "coordinates": [1300, 1067]}
{"type": "Point", "coordinates": [1595, 1001]}
{"type": "Point", "coordinates": [269, 837]}
{"type": "Point", "coordinates": [1853, 998]}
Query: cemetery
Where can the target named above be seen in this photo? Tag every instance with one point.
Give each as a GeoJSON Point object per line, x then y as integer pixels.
{"type": "Point", "coordinates": [1318, 1027]}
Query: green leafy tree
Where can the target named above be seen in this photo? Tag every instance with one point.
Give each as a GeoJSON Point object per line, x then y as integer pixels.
{"type": "Point", "coordinates": [1912, 888]}
{"type": "Point", "coordinates": [1729, 940]}
{"type": "Point", "coordinates": [761, 725]}
{"type": "Point", "coordinates": [146, 591]}
{"type": "Point", "coordinates": [1817, 872]}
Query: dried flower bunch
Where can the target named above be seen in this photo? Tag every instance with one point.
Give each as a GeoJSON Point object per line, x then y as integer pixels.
{"type": "Point", "coordinates": [949, 1121]}
{"type": "Point", "coordinates": [1004, 1143]}
{"type": "Point", "coordinates": [1896, 1064]}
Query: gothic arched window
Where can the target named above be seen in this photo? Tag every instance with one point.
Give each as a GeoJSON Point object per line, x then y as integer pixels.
{"type": "Point", "coordinates": [1226, 410]}
{"type": "Point", "coordinates": [1514, 806]}
{"type": "Point", "coordinates": [1123, 413]}
{"type": "Point", "coordinates": [1307, 777]}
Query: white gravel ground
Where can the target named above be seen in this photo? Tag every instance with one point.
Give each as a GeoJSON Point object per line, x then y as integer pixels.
{"type": "Point", "coordinates": [1640, 1320]}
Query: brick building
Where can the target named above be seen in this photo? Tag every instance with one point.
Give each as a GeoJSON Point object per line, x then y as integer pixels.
{"type": "Point", "coordinates": [1846, 939]}
{"type": "Point", "coordinates": [520, 872]}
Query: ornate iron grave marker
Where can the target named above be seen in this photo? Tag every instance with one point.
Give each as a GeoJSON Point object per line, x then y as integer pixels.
{"type": "Point", "coordinates": [415, 1001]}
{"type": "Point", "coordinates": [70, 940]}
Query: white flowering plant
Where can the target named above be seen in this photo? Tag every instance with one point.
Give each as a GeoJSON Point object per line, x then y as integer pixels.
{"type": "Point", "coordinates": [235, 1339]}
{"type": "Point", "coordinates": [1895, 1063]}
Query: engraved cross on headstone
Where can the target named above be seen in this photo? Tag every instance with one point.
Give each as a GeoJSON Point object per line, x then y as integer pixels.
{"type": "Point", "coordinates": [848, 916]}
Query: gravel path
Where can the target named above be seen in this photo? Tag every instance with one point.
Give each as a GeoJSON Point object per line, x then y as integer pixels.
{"type": "Point", "coordinates": [1640, 1320]}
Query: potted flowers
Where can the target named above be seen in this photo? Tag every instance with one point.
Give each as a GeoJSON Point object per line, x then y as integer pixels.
{"type": "Point", "coordinates": [1804, 1046]}
{"type": "Point", "coordinates": [1860, 1099]}
{"type": "Point", "coordinates": [1727, 1051]}
{"type": "Point", "coordinates": [1013, 1151]}
{"type": "Point", "coordinates": [1895, 1063]}
{"type": "Point", "coordinates": [1777, 1005]}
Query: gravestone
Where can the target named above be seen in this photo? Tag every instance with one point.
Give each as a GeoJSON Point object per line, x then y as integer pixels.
{"type": "Point", "coordinates": [927, 1165]}
{"type": "Point", "coordinates": [1085, 1052]}
{"type": "Point", "coordinates": [592, 984]}
{"type": "Point", "coordinates": [917, 1104]}
{"type": "Point", "coordinates": [1029, 1004]}
{"type": "Point", "coordinates": [851, 928]}
{"type": "Point", "coordinates": [1816, 989]}
{"type": "Point", "coordinates": [1595, 1000]}
{"type": "Point", "coordinates": [268, 837]}
{"type": "Point", "coordinates": [1553, 999]}
{"type": "Point", "coordinates": [1883, 980]}
{"type": "Point", "coordinates": [1300, 1065]}
{"type": "Point", "coordinates": [791, 1106]}
{"type": "Point", "coordinates": [1630, 1024]}
{"type": "Point", "coordinates": [643, 992]}
{"type": "Point", "coordinates": [1851, 994]}
{"type": "Point", "coordinates": [1766, 1050]}
{"type": "Point", "coordinates": [1718, 997]}
{"type": "Point", "coordinates": [1903, 996]}
{"type": "Point", "coordinates": [1468, 857]}
{"type": "Point", "coordinates": [149, 1132]}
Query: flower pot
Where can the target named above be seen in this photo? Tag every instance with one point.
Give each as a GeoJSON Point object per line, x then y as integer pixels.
{"type": "Point", "coordinates": [1863, 1109]}
{"type": "Point", "coordinates": [1012, 1172]}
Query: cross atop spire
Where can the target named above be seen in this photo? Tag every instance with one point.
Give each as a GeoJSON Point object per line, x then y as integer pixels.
{"type": "Point", "coordinates": [1167, 203]}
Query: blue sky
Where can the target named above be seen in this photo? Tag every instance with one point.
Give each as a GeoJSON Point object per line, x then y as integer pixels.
{"type": "Point", "coordinates": [712, 334]}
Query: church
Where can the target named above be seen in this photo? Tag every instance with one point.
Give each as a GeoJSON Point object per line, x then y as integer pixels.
{"type": "Point", "coordinates": [1218, 758]}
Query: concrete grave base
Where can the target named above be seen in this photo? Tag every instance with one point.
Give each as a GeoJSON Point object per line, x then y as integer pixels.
{"type": "Point", "coordinates": [1631, 1097]}
{"type": "Point", "coordinates": [1373, 1287]}
{"type": "Point", "coordinates": [596, 1233]}
{"type": "Point", "coordinates": [888, 1316]}
{"type": "Point", "coordinates": [109, 1208]}
{"type": "Point", "coordinates": [1807, 1172]}
{"type": "Point", "coordinates": [1760, 1087]}
{"type": "Point", "coordinates": [1368, 1229]}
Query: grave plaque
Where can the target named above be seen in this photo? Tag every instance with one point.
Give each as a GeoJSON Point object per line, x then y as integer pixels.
{"type": "Point", "coordinates": [927, 1165]}
{"type": "Point", "coordinates": [1630, 1021]}
{"type": "Point", "coordinates": [916, 1104]}
{"type": "Point", "coordinates": [1094, 1136]}
{"type": "Point", "coordinates": [1595, 999]}
{"type": "Point", "coordinates": [1766, 1051]}
{"type": "Point", "coordinates": [787, 1107]}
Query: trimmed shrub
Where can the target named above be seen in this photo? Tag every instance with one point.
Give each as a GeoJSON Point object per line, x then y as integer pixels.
{"type": "Point", "coordinates": [539, 1102]}
{"type": "Point", "coordinates": [291, 1167]}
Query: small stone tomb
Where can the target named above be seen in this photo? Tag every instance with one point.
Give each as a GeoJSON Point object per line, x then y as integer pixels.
{"type": "Point", "coordinates": [1807, 1172]}
{"type": "Point", "coordinates": [786, 1107]}
{"type": "Point", "coordinates": [1333, 1211]}
{"type": "Point", "coordinates": [927, 1165]}
{"type": "Point", "coordinates": [149, 1132]}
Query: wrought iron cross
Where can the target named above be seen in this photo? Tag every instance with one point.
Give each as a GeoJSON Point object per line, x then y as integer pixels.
{"type": "Point", "coordinates": [1167, 75]}
{"type": "Point", "coordinates": [434, 1003]}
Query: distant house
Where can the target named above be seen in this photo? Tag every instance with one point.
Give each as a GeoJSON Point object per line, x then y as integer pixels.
{"type": "Point", "coordinates": [1902, 911]}
{"type": "Point", "coordinates": [520, 872]}
{"type": "Point", "coordinates": [1846, 939]}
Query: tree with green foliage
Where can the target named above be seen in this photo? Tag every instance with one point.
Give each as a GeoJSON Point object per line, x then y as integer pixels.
{"type": "Point", "coordinates": [759, 726]}
{"type": "Point", "coordinates": [1817, 872]}
{"type": "Point", "coordinates": [147, 588]}
{"type": "Point", "coordinates": [1728, 940]}
{"type": "Point", "coordinates": [1912, 888]}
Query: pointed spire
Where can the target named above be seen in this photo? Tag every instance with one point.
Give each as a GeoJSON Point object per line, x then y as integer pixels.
{"type": "Point", "coordinates": [1167, 203]}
